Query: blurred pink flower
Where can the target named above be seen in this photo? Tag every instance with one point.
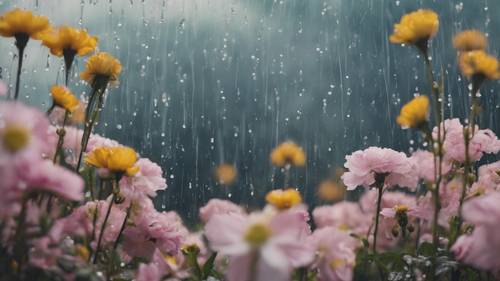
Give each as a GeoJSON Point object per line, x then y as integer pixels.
{"type": "Point", "coordinates": [484, 141]}
{"type": "Point", "coordinates": [113, 225]}
{"type": "Point", "coordinates": [159, 267]}
{"type": "Point", "coordinates": [145, 183]}
{"type": "Point", "coordinates": [153, 229]}
{"type": "Point", "coordinates": [362, 166]}
{"type": "Point", "coordinates": [277, 240]}
{"type": "Point", "coordinates": [449, 194]}
{"type": "Point", "coordinates": [368, 202]}
{"type": "Point", "coordinates": [149, 272]}
{"type": "Point", "coordinates": [218, 207]}
{"type": "Point", "coordinates": [346, 216]}
{"type": "Point", "coordinates": [424, 161]}
{"type": "Point", "coordinates": [488, 178]}
{"type": "Point", "coordinates": [480, 249]}
{"type": "Point", "coordinates": [335, 254]}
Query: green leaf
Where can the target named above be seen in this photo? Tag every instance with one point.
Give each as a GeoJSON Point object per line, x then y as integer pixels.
{"type": "Point", "coordinates": [209, 266]}
{"type": "Point", "coordinates": [427, 249]}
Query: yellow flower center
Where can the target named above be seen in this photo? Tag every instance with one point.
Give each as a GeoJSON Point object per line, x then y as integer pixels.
{"type": "Point", "coordinates": [336, 263]}
{"type": "Point", "coordinates": [15, 138]}
{"type": "Point", "coordinates": [257, 234]}
{"type": "Point", "coordinates": [401, 208]}
{"type": "Point", "coordinates": [284, 199]}
{"type": "Point", "coordinates": [343, 227]}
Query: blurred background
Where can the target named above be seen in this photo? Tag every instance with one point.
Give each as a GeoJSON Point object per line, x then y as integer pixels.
{"type": "Point", "coordinates": [207, 82]}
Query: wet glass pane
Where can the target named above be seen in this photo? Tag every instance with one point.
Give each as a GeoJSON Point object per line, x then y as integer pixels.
{"type": "Point", "coordinates": [207, 82]}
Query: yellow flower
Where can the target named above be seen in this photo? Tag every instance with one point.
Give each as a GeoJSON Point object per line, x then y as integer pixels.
{"type": "Point", "coordinates": [284, 199]}
{"type": "Point", "coordinates": [15, 138]}
{"type": "Point", "coordinates": [330, 190]}
{"type": "Point", "coordinates": [225, 174]}
{"type": "Point", "coordinates": [119, 159]}
{"type": "Point", "coordinates": [401, 208]}
{"type": "Point", "coordinates": [68, 39]}
{"type": "Point", "coordinates": [470, 40]}
{"type": "Point", "coordinates": [414, 113]}
{"type": "Point", "coordinates": [64, 98]}
{"type": "Point", "coordinates": [257, 234]}
{"type": "Point", "coordinates": [415, 27]}
{"type": "Point", "coordinates": [23, 23]}
{"type": "Point", "coordinates": [101, 65]}
{"type": "Point", "coordinates": [288, 153]}
{"type": "Point", "coordinates": [479, 63]}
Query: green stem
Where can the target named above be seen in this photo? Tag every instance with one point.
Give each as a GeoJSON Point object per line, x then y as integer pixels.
{"type": "Point", "coordinates": [380, 188]}
{"type": "Point", "coordinates": [61, 132]}
{"type": "Point", "coordinates": [21, 42]}
{"type": "Point", "coordinates": [103, 227]}
{"type": "Point", "coordinates": [124, 224]}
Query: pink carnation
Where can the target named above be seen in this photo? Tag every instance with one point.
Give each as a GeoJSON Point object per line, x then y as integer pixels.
{"type": "Point", "coordinates": [218, 207]}
{"type": "Point", "coordinates": [484, 141]}
{"type": "Point", "coordinates": [335, 254]}
{"type": "Point", "coordinates": [344, 216]}
{"type": "Point", "coordinates": [363, 165]}
{"type": "Point", "coordinates": [153, 229]}
{"type": "Point", "coordinates": [284, 250]}
{"type": "Point", "coordinates": [424, 161]}
{"type": "Point", "coordinates": [480, 249]}
{"type": "Point", "coordinates": [145, 183]}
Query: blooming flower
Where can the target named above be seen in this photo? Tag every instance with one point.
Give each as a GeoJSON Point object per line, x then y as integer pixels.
{"type": "Point", "coordinates": [335, 254]}
{"type": "Point", "coordinates": [470, 40]}
{"type": "Point", "coordinates": [345, 216]}
{"type": "Point", "coordinates": [265, 247]}
{"type": "Point", "coordinates": [145, 183]}
{"type": "Point", "coordinates": [101, 66]}
{"type": "Point", "coordinates": [480, 249]}
{"type": "Point", "coordinates": [415, 27]}
{"type": "Point", "coordinates": [479, 63]}
{"type": "Point", "coordinates": [69, 40]}
{"type": "Point", "coordinates": [120, 159]}
{"type": "Point", "coordinates": [288, 153]}
{"type": "Point", "coordinates": [424, 161]}
{"type": "Point", "coordinates": [364, 165]}
{"type": "Point", "coordinates": [483, 141]}
{"type": "Point", "coordinates": [415, 113]}
{"type": "Point", "coordinates": [218, 207]}
{"type": "Point", "coordinates": [64, 98]}
{"type": "Point", "coordinates": [18, 23]}
{"type": "Point", "coordinates": [150, 230]}
{"type": "Point", "coordinates": [225, 174]}
{"type": "Point", "coordinates": [284, 199]}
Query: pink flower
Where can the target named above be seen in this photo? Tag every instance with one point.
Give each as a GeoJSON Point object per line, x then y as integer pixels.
{"type": "Point", "coordinates": [145, 183]}
{"type": "Point", "coordinates": [27, 129]}
{"type": "Point", "coordinates": [424, 161]}
{"type": "Point", "coordinates": [449, 194]}
{"type": "Point", "coordinates": [153, 229]}
{"type": "Point", "coordinates": [275, 242]}
{"type": "Point", "coordinates": [218, 207]}
{"type": "Point", "coordinates": [489, 176]}
{"type": "Point", "coordinates": [484, 141]}
{"type": "Point", "coordinates": [76, 224]}
{"type": "Point", "coordinates": [480, 249]}
{"type": "Point", "coordinates": [159, 267]}
{"type": "Point", "coordinates": [363, 165]}
{"type": "Point", "coordinates": [346, 216]}
{"type": "Point", "coordinates": [113, 225]}
{"type": "Point", "coordinates": [386, 239]}
{"type": "Point", "coordinates": [335, 254]}
{"type": "Point", "coordinates": [149, 272]}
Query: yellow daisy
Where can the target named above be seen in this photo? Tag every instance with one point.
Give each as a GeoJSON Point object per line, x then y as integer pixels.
{"type": "Point", "coordinates": [288, 153]}
{"type": "Point", "coordinates": [69, 40]}
{"type": "Point", "coordinates": [416, 28]}
{"type": "Point", "coordinates": [415, 113]}
{"type": "Point", "coordinates": [479, 63]}
{"type": "Point", "coordinates": [470, 40]}
{"type": "Point", "coordinates": [120, 159]}
{"type": "Point", "coordinates": [284, 199]}
{"type": "Point", "coordinates": [64, 98]}
{"type": "Point", "coordinates": [22, 23]}
{"type": "Point", "coordinates": [101, 65]}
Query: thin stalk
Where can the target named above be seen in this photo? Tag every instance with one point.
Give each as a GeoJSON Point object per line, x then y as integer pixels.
{"type": "Point", "coordinates": [103, 227]}
{"type": "Point", "coordinates": [117, 241]}
{"type": "Point", "coordinates": [287, 176]}
{"type": "Point", "coordinates": [377, 216]}
{"type": "Point", "coordinates": [96, 214]}
{"type": "Point", "coordinates": [21, 42]}
{"type": "Point", "coordinates": [90, 123]}
{"type": "Point", "coordinates": [61, 132]}
{"type": "Point", "coordinates": [19, 248]}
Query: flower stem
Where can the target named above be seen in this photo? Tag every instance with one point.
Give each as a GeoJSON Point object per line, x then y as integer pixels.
{"type": "Point", "coordinates": [91, 120]}
{"type": "Point", "coordinates": [380, 188]}
{"type": "Point", "coordinates": [21, 42]}
{"type": "Point", "coordinates": [124, 224]}
{"type": "Point", "coordinates": [287, 176]}
{"type": "Point", "coordinates": [61, 133]}
{"type": "Point", "coordinates": [103, 227]}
